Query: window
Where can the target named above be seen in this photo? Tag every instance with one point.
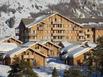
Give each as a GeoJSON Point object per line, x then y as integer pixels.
{"type": "Point", "coordinates": [88, 36]}
{"type": "Point", "coordinates": [81, 37]}
{"type": "Point", "coordinates": [60, 25]}
{"type": "Point", "coordinates": [28, 53]}
{"type": "Point", "coordinates": [55, 19]}
{"type": "Point", "coordinates": [88, 30]}
{"type": "Point", "coordinates": [54, 25]}
{"type": "Point", "coordinates": [60, 37]}
{"type": "Point", "coordinates": [40, 27]}
{"type": "Point", "coordinates": [54, 37]}
{"type": "Point", "coordinates": [51, 22]}
{"type": "Point", "coordinates": [80, 31]}
{"type": "Point", "coordinates": [36, 47]}
{"type": "Point", "coordinates": [24, 53]}
{"type": "Point", "coordinates": [33, 31]}
{"type": "Point", "coordinates": [34, 37]}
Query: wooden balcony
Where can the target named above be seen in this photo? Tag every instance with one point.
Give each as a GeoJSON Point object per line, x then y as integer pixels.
{"type": "Point", "coordinates": [33, 40]}
{"type": "Point", "coordinates": [81, 34]}
{"type": "Point", "coordinates": [58, 34]}
{"type": "Point", "coordinates": [56, 40]}
{"type": "Point", "coordinates": [56, 22]}
{"type": "Point", "coordinates": [28, 56]}
{"type": "Point", "coordinates": [32, 34]}
{"type": "Point", "coordinates": [58, 28]}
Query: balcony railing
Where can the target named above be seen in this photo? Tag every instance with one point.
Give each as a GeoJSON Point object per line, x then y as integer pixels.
{"type": "Point", "coordinates": [29, 56]}
{"type": "Point", "coordinates": [58, 34]}
{"type": "Point", "coordinates": [81, 34]}
{"type": "Point", "coordinates": [58, 28]}
{"type": "Point", "coordinates": [32, 34]}
{"type": "Point", "coordinates": [56, 40]}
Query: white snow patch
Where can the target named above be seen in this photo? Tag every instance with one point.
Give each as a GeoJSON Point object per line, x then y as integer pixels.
{"type": "Point", "coordinates": [4, 70]}
{"type": "Point", "coordinates": [5, 47]}
{"type": "Point", "coordinates": [51, 63]}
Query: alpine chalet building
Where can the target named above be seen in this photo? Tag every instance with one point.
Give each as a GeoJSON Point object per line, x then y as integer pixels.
{"type": "Point", "coordinates": [56, 27]}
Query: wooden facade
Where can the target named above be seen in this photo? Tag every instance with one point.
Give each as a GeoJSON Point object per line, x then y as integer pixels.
{"type": "Point", "coordinates": [77, 60]}
{"type": "Point", "coordinates": [42, 49]}
{"type": "Point", "coordinates": [33, 57]}
{"type": "Point", "coordinates": [13, 40]}
{"type": "Point", "coordinates": [55, 49]}
{"type": "Point", "coordinates": [56, 28]}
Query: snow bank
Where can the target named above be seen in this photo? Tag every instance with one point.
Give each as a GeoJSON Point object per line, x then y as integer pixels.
{"type": "Point", "coordinates": [4, 70]}
{"type": "Point", "coordinates": [51, 63]}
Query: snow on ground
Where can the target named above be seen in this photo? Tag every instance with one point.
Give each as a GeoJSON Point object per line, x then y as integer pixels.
{"type": "Point", "coordinates": [4, 70]}
{"type": "Point", "coordinates": [51, 63]}
{"type": "Point", "coordinates": [21, 9]}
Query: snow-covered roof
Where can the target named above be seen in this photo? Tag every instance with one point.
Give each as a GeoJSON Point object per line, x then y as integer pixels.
{"type": "Point", "coordinates": [3, 39]}
{"type": "Point", "coordinates": [7, 38]}
{"type": "Point", "coordinates": [31, 22]}
{"type": "Point", "coordinates": [65, 43]}
{"type": "Point", "coordinates": [70, 47]}
{"type": "Point", "coordinates": [30, 43]}
{"type": "Point", "coordinates": [78, 51]}
{"type": "Point", "coordinates": [74, 50]}
{"type": "Point", "coordinates": [90, 22]}
{"type": "Point", "coordinates": [44, 42]}
{"type": "Point", "coordinates": [5, 47]}
{"type": "Point", "coordinates": [38, 52]}
{"type": "Point", "coordinates": [16, 51]}
{"type": "Point", "coordinates": [22, 48]}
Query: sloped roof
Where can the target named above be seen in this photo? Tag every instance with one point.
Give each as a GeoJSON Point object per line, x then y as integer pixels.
{"type": "Point", "coordinates": [30, 22]}
{"type": "Point", "coordinates": [31, 43]}
{"type": "Point", "coordinates": [70, 48]}
{"type": "Point", "coordinates": [74, 50]}
{"type": "Point", "coordinates": [28, 44]}
{"type": "Point", "coordinates": [27, 21]}
{"type": "Point", "coordinates": [65, 43]}
{"type": "Point", "coordinates": [90, 22]}
{"type": "Point", "coordinates": [87, 20]}
{"type": "Point", "coordinates": [36, 51]}
{"type": "Point", "coordinates": [78, 51]}
{"type": "Point", "coordinates": [44, 42]}
{"type": "Point", "coordinates": [6, 47]}
{"type": "Point", "coordinates": [15, 51]}
{"type": "Point", "coordinates": [7, 38]}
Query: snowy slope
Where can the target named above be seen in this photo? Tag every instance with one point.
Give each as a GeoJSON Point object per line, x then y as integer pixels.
{"type": "Point", "coordinates": [18, 9]}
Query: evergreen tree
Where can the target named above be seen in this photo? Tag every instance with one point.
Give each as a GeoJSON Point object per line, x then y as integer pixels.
{"type": "Point", "coordinates": [95, 59]}
{"type": "Point", "coordinates": [15, 71]}
{"type": "Point", "coordinates": [98, 53]}
{"type": "Point", "coordinates": [55, 73]}
{"type": "Point", "coordinates": [73, 73]}
{"type": "Point", "coordinates": [21, 69]}
{"type": "Point", "coordinates": [27, 69]}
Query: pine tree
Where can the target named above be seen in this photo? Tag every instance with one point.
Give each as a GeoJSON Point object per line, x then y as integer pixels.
{"type": "Point", "coordinates": [73, 73]}
{"type": "Point", "coordinates": [27, 69]}
{"type": "Point", "coordinates": [15, 71]}
{"type": "Point", "coordinates": [55, 73]}
{"type": "Point", "coordinates": [21, 69]}
{"type": "Point", "coordinates": [98, 53]}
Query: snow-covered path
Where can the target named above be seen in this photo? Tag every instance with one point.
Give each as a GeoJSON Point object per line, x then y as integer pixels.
{"type": "Point", "coordinates": [51, 63]}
